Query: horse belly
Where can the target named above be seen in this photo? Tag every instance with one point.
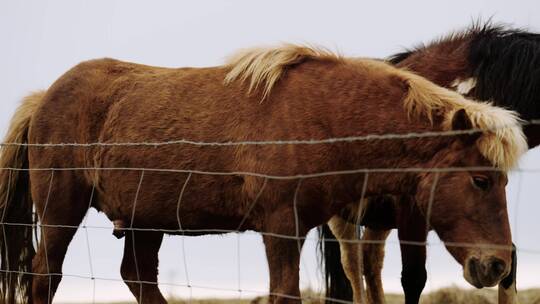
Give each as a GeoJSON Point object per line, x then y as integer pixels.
{"type": "Point", "coordinates": [170, 201]}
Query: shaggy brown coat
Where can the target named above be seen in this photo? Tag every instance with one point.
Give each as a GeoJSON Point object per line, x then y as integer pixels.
{"type": "Point", "coordinates": [188, 188]}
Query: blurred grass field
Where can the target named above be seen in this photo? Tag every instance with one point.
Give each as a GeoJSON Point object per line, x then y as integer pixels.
{"type": "Point", "coordinates": [450, 295]}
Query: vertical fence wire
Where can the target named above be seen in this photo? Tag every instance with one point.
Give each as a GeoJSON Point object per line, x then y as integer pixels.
{"type": "Point", "coordinates": [359, 216]}
{"type": "Point", "coordinates": [136, 262]}
{"type": "Point", "coordinates": [298, 237]}
{"type": "Point", "coordinates": [182, 239]}
{"type": "Point", "coordinates": [428, 223]}
{"type": "Point", "coordinates": [6, 202]}
{"type": "Point", "coordinates": [44, 238]}
{"type": "Point", "coordinates": [92, 274]}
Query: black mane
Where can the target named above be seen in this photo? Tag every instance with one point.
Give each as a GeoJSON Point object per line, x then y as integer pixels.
{"type": "Point", "coordinates": [399, 57]}
{"type": "Point", "coordinates": [506, 65]}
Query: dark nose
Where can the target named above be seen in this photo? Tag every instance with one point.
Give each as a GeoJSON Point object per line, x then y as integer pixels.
{"type": "Point", "coordinates": [488, 272]}
{"type": "Point", "coordinates": [495, 268]}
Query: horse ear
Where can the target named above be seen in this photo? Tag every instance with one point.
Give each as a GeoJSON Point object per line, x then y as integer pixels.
{"type": "Point", "coordinates": [462, 122]}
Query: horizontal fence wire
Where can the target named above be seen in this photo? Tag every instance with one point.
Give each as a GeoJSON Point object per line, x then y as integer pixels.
{"type": "Point", "coordinates": [369, 137]}
{"type": "Point", "coordinates": [197, 232]}
{"type": "Point", "coordinates": [283, 177]}
{"type": "Point", "coordinates": [259, 292]}
{"type": "Point", "coordinates": [300, 176]}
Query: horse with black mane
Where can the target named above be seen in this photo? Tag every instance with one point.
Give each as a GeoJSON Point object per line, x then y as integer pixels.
{"type": "Point", "coordinates": [485, 62]}
{"type": "Point", "coordinates": [105, 135]}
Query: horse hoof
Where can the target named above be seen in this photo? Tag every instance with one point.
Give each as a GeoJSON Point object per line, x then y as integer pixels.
{"type": "Point", "coordinates": [118, 234]}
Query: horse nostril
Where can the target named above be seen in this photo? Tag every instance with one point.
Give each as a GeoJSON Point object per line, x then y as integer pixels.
{"type": "Point", "coordinates": [497, 267]}
{"type": "Point", "coordinates": [474, 266]}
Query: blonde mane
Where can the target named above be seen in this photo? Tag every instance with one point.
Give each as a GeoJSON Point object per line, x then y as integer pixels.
{"type": "Point", "coordinates": [264, 66]}
{"type": "Point", "coordinates": [502, 141]}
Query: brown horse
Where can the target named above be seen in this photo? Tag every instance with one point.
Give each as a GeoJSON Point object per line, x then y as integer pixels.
{"type": "Point", "coordinates": [100, 137]}
{"type": "Point", "coordinates": [485, 62]}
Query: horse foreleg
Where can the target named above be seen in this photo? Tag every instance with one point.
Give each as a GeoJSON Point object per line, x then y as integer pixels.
{"type": "Point", "coordinates": [507, 287]}
{"type": "Point", "coordinates": [412, 232]}
{"type": "Point", "coordinates": [413, 274]}
{"type": "Point", "coordinates": [283, 242]}
{"type": "Point", "coordinates": [140, 263]}
{"type": "Point", "coordinates": [345, 233]}
{"type": "Point", "coordinates": [283, 264]}
{"type": "Point", "coordinates": [373, 262]}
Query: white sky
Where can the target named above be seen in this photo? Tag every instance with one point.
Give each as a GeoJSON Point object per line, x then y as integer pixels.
{"type": "Point", "coordinates": [42, 39]}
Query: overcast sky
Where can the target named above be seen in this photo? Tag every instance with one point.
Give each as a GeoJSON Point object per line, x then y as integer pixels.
{"type": "Point", "coordinates": [41, 39]}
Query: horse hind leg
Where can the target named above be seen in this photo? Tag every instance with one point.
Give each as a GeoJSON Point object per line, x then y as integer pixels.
{"type": "Point", "coordinates": [350, 249]}
{"type": "Point", "coordinates": [140, 263]}
{"type": "Point", "coordinates": [373, 259]}
{"type": "Point", "coordinates": [61, 204]}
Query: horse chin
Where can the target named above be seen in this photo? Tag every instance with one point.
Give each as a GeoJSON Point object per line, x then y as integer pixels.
{"type": "Point", "coordinates": [473, 280]}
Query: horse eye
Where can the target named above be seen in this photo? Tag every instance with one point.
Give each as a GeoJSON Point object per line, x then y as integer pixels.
{"type": "Point", "coordinates": [481, 182]}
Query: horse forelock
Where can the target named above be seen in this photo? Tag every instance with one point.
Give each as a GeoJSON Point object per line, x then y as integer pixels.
{"type": "Point", "coordinates": [502, 141]}
{"type": "Point", "coordinates": [264, 66]}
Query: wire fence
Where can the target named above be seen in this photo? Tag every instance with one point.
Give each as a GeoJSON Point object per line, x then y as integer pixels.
{"type": "Point", "coordinates": [182, 231]}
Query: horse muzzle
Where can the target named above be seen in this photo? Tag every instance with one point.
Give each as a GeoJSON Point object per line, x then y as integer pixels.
{"type": "Point", "coordinates": [485, 272]}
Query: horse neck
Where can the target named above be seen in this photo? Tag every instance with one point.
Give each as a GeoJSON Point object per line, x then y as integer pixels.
{"type": "Point", "coordinates": [360, 112]}
{"type": "Point", "coordinates": [416, 154]}
{"type": "Point", "coordinates": [398, 154]}
{"type": "Point", "coordinates": [442, 62]}
{"type": "Point", "coordinates": [357, 109]}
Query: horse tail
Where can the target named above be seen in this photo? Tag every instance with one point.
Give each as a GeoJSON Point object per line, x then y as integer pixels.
{"type": "Point", "coordinates": [16, 220]}
{"type": "Point", "coordinates": [337, 285]}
